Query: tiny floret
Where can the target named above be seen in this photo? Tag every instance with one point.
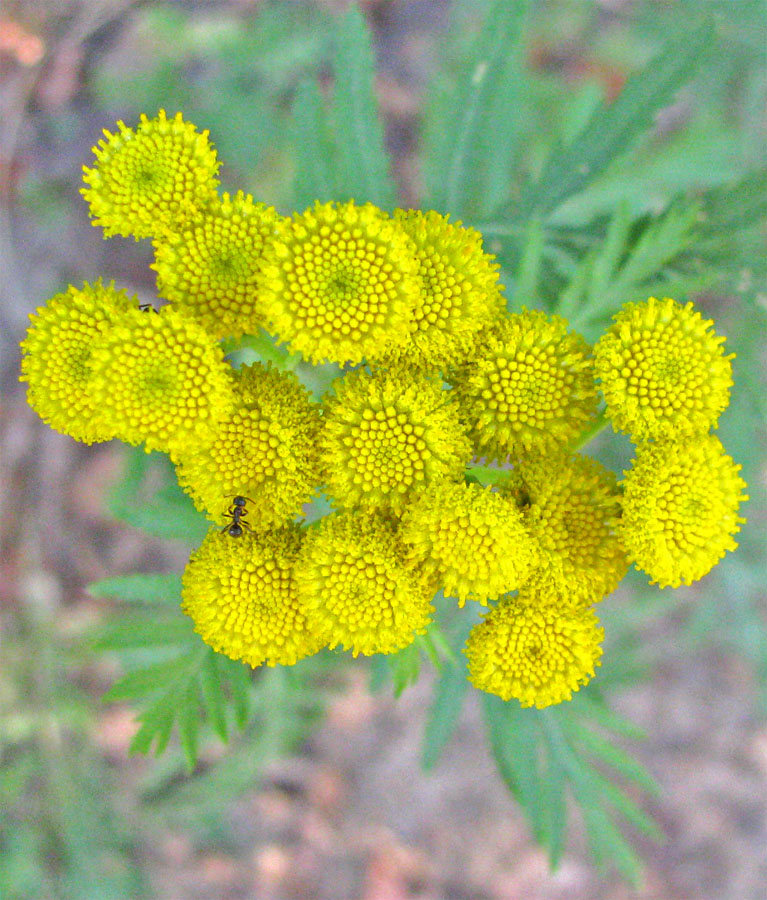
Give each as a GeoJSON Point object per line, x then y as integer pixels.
{"type": "Point", "coordinates": [339, 283]}
{"type": "Point", "coordinates": [360, 592]}
{"type": "Point", "coordinates": [530, 388]}
{"type": "Point", "coordinates": [265, 449]}
{"type": "Point", "coordinates": [209, 268]}
{"type": "Point", "coordinates": [680, 509]}
{"type": "Point", "coordinates": [57, 358]}
{"type": "Point", "coordinates": [532, 648]}
{"type": "Point", "coordinates": [472, 538]}
{"type": "Point", "coordinates": [387, 434]}
{"type": "Point", "coordinates": [663, 371]}
{"type": "Point", "coordinates": [161, 380]}
{"type": "Point", "coordinates": [150, 180]}
{"type": "Point", "coordinates": [241, 595]}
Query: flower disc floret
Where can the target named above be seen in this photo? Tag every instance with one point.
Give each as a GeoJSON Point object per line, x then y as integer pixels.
{"type": "Point", "coordinates": [161, 379]}
{"type": "Point", "coordinates": [530, 387]}
{"type": "Point", "coordinates": [57, 358]}
{"type": "Point", "coordinates": [663, 371]}
{"type": "Point", "coordinates": [572, 507]}
{"type": "Point", "coordinates": [532, 648]}
{"type": "Point", "coordinates": [264, 449]}
{"type": "Point", "coordinates": [359, 590]}
{"type": "Point", "coordinates": [389, 433]}
{"type": "Point", "coordinates": [460, 296]}
{"type": "Point", "coordinates": [150, 180]}
{"type": "Point", "coordinates": [209, 268]}
{"type": "Point", "coordinates": [471, 538]}
{"type": "Point", "coordinates": [680, 509]}
{"type": "Point", "coordinates": [339, 283]}
{"type": "Point", "coordinates": [241, 595]}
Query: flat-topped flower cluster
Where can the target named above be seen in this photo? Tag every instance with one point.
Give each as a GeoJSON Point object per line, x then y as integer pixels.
{"type": "Point", "coordinates": [436, 376]}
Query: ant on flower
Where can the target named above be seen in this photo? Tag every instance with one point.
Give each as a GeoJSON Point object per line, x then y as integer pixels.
{"type": "Point", "coordinates": [236, 513]}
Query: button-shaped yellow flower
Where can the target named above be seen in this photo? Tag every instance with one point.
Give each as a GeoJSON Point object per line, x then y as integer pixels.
{"type": "Point", "coordinates": [161, 380]}
{"type": "Point", "coordinates": [471, 538]}
{"type": "Point", "coordinates": [359, 590]}
{"type": "Point", "coordinates": [534, 649]}
{"type": "Point", "coordinates": [530, 387]}
{"type": "Point", "coordinates": [209, 268]}
{"type": "Point", "coordinates": [57, 358]}
{"type": "Point", "coordinates": [339, 283]}
{"type": "Point", "coordinates": [264, 449]}
{"type": "Point", "coordinates": [680, 509]}
{"type": "Point", "coordinates": [387, 434]}
{"type": "Point", "coordinates": [571, 507]}
{"type": "Point", "coordinates": [241, 595]}
{"type": "Point", "coordinates": [663, 371]}
{"type": "Point", "coordinates": [150, 180]}
{"type": "Point", "coordinates": [460, 295]}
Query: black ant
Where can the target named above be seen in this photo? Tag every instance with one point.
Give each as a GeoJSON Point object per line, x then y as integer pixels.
{"type": "Point", "coordinates": [236, 513]}
{"type": "Point", "coordinates": [146, 307]}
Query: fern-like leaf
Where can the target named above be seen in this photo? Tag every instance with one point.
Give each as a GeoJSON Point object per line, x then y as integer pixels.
{"type": "Point", "coordinates": [544, 754]}
{"type": "Point", "coordinates": [612, 129]}
{"type": "Point", "coordinates": [468, 161]}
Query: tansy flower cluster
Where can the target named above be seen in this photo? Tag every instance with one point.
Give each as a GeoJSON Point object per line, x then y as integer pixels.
{"type": "Point", "coordinates": [447, 447]}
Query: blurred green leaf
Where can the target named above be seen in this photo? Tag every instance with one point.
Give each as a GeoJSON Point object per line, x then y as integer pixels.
{"type": "Point", "coordinates": [442, 718]}
{"type": "Point", "coordinates": [315, 172]}
{"type": "Point", "coordinates": [142, 588]}
{"type": "Point", "coordinates": [363, 163]}
{"type": "Point", "coordinates": [542, 753]}
{"type": "Point", "coordinates": [612, 129]}
{"type": "Point", "coordinates": [469, 159]}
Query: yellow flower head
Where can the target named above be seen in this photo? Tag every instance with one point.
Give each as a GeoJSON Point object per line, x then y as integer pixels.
{"type": "Point", "coordinates": [471, 538]}
{"type": "Point", "coordinates": [209, 268]}
{"type": "Point", "coordinates": [241, 595]}
{"type": "Point", "coordinates": [57, 358]}
{"type": "Point", "coordinates": [663, 373]}
{"type": "Point", "coordinates": [359, 591]}
{"type": "Point", "coordinates": [264, 449]}
{"type": "Point", "coordinates": [530, 388]}
{"type": "Point", "coordinates": [161, 378]}
{"type": "Point", "coordinates": [387, 434]}
{"type": "Point", "coordinates": [532, 648]}
{"type": "Point", "coordinates": [680, 509]}
{"type": "Point", "coordinates": [571, 507]}
{"type": "Point", "coordinates": [155, 178]}
{"type": "Point", "coordinates": [339, 283]}
{"type": "Point", "coordinates": [460, 294]}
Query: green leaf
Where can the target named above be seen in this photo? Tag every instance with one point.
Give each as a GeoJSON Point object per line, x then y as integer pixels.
{"type": "Point", "coordinates": [514, 743]}
{"type": "Point", "coordinates": [188, 724]}
{"type": "Point", "coordinates": [130, 631]}
{"type": "Point", "coordinates": [526, 288]}
{"type": "Point", "coordinates": [163, 511]}
{"type": "Point", "coordinates": [405, 667]}
{"type": "Point", "coordinates": [612, 129]}
{"type": "Point", "coordinates": [443, 714]}
{"type": "Point", "coordinates": [363, 171]}
{"type": "Point", "coordinates": [471, 137]}
{"type": "Point", "coordinates": [142, 588]}
{"type": "Point", "coordinates": [315, 172]}
{"type": "Point", "coordinates": [155, 677]}
{"type": "Point", "coordinates": [554, 824]}
{"type": "Point", "coordinates": [213, 696]}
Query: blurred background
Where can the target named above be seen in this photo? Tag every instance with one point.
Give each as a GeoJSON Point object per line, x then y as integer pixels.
{"type": "Point", "coordinates": [333, 804]}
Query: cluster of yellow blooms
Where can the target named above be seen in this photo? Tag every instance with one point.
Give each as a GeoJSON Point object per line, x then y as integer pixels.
{"type": "Point", "coordinates": [436, 375]}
